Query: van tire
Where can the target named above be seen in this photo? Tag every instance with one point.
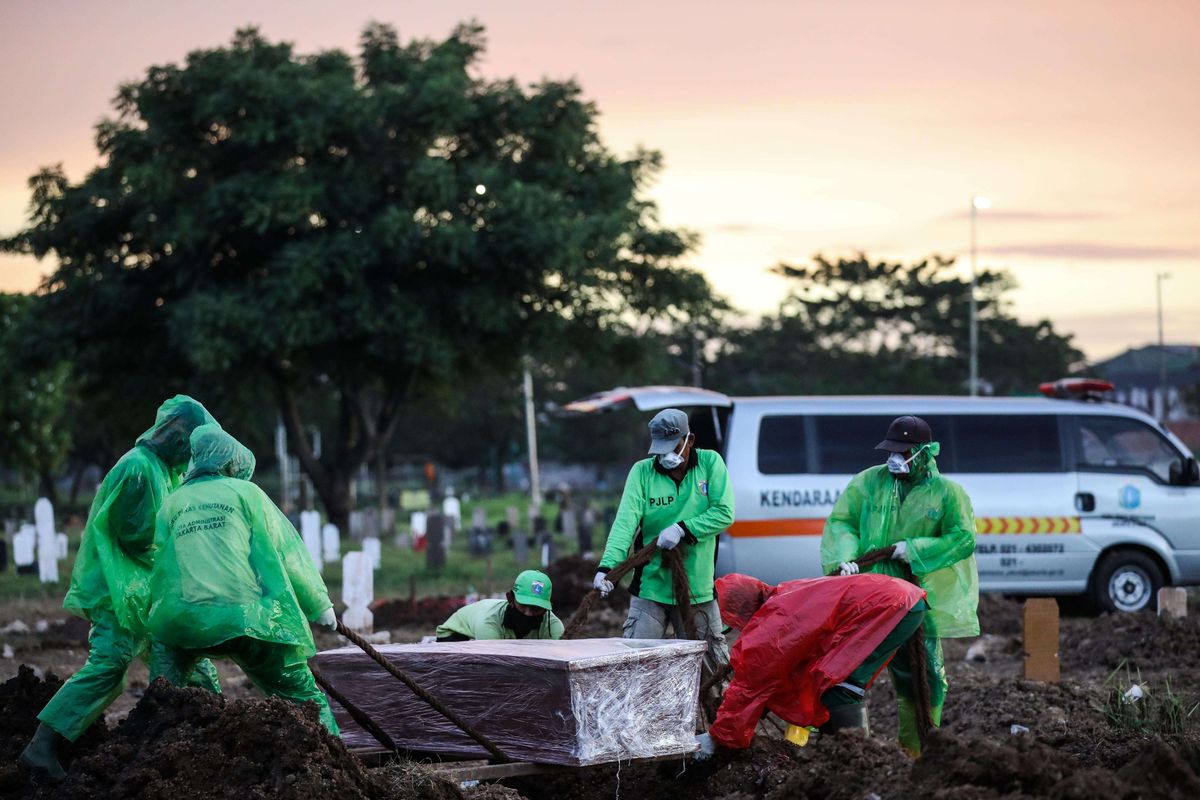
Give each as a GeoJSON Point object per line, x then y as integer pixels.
{"type": "Point", "coordinates": [1126, 581]}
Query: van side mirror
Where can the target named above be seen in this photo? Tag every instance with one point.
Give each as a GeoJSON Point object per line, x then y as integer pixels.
{"type": "Point", "coordinates": [1184, 472]}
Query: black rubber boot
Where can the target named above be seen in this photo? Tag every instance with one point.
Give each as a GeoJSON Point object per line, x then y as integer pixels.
{"type": "Point", "coordinates": [41, 756]}
{"type": "Point", "coordinates": [852, 716]}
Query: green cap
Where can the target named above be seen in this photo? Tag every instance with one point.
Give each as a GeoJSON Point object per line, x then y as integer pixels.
{"type": "Point", "coordinates": [532, 588]}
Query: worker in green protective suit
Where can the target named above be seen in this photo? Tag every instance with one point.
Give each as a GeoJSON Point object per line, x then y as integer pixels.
{"type": "Point", "coordinates": [110, 581]}
{"type": "Point", "coordinates": [232, 578]}
{"type": "Point", "coordinates": [524, 613]}
{"type": "Point", "coordinates": [906, 503]}
{"type": "Point", "coordinates": [679, 497]}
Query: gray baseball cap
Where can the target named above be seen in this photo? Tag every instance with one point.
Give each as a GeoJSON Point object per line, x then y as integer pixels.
{"type": "Point", "coordinates": [666, 429]}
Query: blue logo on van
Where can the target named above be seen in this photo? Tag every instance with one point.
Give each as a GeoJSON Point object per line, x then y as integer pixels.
{"type": "Point", "coordinates": [1131, 497]}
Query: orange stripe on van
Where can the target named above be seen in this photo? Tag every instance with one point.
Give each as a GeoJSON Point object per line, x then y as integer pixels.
{"type": "Point", "coordinates": [813, 526]}
{"type": "Point", "coordinates": [778, 527]}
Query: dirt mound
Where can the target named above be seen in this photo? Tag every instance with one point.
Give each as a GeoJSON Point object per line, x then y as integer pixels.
{"type": "Point", "coordinates": [427, 611]}
{"type": "Point", "coordinates": [850, 767]}
{"type": "Point", "coordinates": [572, 578]}
{"type": "Point", "coordinates": [179, 743]}
{"type": "Point", "coordinates": [999, 615]}
{"type": "Point", "coordinates": [21, 699]}
{"type": "Point", "coordinates": [1142, 640]}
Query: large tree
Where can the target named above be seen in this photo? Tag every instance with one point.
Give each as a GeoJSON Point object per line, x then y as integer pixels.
{"type": "Point", "coordinates": [853, 325]}
{"type": "Point", "coordinates": [346, 235]}
{"type": "Point", "coordinates": [37, 405]}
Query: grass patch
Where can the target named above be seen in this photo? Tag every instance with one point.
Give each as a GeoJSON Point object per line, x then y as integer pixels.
{"type": "Point", "coordinates": [1132, 705]}
{"type": "Point", "coordinates": [403, 571]}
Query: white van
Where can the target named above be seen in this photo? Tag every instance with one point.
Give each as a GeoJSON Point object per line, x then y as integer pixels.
{"type": "Point", "coordinates": [1072, 495]}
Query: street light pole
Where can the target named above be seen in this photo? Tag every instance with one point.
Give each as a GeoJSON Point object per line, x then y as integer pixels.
{"type": "Point", "coordinates": [1162, 351]}
{"type": "Point", "coordinates": [977, 204]}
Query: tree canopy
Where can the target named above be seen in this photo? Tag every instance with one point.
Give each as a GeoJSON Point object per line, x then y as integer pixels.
{"type": "Point", "coordinates": [857, 326]}
{"type": "Point", "coordinates": [346, 234]}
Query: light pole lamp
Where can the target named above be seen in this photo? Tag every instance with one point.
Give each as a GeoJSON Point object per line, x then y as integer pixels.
{"type": "Point", "coordinates": [977, 204]}
{"type": "Point", "coordinates": [1162, 352]}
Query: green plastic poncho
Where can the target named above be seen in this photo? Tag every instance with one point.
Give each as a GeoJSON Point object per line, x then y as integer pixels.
{"type": "Point", "coordinates": [228, 563]}
{"type": "Point", "coordinates": [484, 619]}
{"type": "Point", "coordinates": [929, 512]}
{"type": "Point", "coordinates": [112, 569]}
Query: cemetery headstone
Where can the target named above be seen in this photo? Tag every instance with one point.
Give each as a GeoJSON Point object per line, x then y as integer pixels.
{"type": "Point", "coordinates": [587, 529]}
{"type": "Point", "coordinates": [331, 543]}
{"type": "Point", "coordinates": [358, 592]}
{"type": "Point", "coordinates": [372, 548]}
{"type": "Point", "coordinates": [419, 524]}
{"type": "Point", "coordinates": [310, 531]}
{"type": "Point", "coordinates": [24, 549]}
{"type": "Point", "coordinates": [47, 541]}
{"type": "Point", "coordinates": [62, 546]}
{"type": "Point", "coordinates": [1172, 602]}
{"type": "Point", "coordinates": [435, 548]}
{"type": "Point", "coordinates": [1040, 620]}
{"type": "Point", "coordinates": [570, 525]}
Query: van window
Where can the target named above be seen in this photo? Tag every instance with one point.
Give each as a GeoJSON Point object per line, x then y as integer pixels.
{"type": "Point", "coordinates": [782, 445]}
{"type": "Point", "coordinates": [1007, 443]}
{"type": "Point", "coordinates": [1115, 443]}
{"type": "Point", "coordinates": [846, 443]}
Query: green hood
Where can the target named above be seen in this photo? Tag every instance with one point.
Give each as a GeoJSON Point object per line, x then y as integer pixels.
{"type": "Point", "coordinates": [215, 452]}
{"type": "Point", "coordinates": [168, 438]}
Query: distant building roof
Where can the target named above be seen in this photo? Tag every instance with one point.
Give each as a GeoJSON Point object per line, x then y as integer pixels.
{"type": "Point", "coordinates": [1140, 366]}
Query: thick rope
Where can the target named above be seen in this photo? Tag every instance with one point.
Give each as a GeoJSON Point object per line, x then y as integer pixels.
{"type": "Point", "coordinates": [356, 713]}
{"type": "Point", "coordinates": [392, 670]}
{"type": "Point", "coordinates": [679, 586]}
{"type": "Point", "coordinates": [918, 656]}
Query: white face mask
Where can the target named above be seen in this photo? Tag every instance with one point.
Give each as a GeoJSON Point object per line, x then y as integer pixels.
{"type": "Point", "coordinates": [897, 464]}
{"type": "Point", "coordinates": [671, 460]}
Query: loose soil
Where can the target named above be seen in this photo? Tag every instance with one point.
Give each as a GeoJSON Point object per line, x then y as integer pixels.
{"type": "Point", "coordinates": [184, 743]}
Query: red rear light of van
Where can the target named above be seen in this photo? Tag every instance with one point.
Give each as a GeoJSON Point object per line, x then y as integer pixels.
{"type": "Point", "coordinates": [1078, 388]}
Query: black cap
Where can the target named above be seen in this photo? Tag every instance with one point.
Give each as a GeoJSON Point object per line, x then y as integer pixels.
{"type": "Point", "coordinates": [904, 433]}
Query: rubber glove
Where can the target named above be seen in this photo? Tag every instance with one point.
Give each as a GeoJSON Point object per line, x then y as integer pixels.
{"type": "Point", "coordinates": [328, 619]}
{"type": "Point", "coordinates": [602, 584]}
{"type": "Point", "coordinates": [901, 551]}
{"type": "Point", "coordinates": [670, 537]}
{"type": "Point", "coordinates": [848, 568]}
{"type": "Point", "coordinates": [707, 747]}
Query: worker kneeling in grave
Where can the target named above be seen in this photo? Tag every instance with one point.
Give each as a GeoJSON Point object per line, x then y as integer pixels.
{"type": "Point", "coordinates": [523, 613]}
{"type": "Point", "coordinates": [808, 650]}
{"type": "Point", "coordinates": [232, 578]}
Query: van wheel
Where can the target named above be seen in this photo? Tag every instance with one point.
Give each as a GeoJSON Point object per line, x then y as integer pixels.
{"type": "Point", "coordinates": [1126, 580]}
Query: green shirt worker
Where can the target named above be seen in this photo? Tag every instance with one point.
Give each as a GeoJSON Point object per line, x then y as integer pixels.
{"type": "Point", "coordinates": [524, 613]}
{"type": "Point", "coordinates": [680, 497]}
{"type": "Point", "coordinates": [109, 583]}
{"type": "Point", "coordinates": [907, 503]}
{"type": "Point", "coordinates": [232, 578]}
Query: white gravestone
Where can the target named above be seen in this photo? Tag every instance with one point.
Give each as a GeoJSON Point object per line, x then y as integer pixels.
{"type": "Point", "coordinates": [419, 524]}
{"type": "Point", "coordinates": [62, 546]}
{"type": "Point", "coordinates": [310, 530]}
{"type": "Point", "coordinates": [47, 541]}
{"type": "Point", "coordinates": [24, 545]}
{"type": "Point", "coordinates": [370, 546]}
{"type": "Point", "coordinates": [331, 544]}
{"type": "Point", "coordinates": [452, 513]}
{"type": "Point", "coordinates": [358, 591]}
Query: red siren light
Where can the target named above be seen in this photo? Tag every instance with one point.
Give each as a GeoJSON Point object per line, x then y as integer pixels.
{"type": "Point", "coordinates": [1078, 388]}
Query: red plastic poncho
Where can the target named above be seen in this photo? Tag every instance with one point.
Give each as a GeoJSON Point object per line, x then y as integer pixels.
{"type": "Point", "coordinates": [798, 640]}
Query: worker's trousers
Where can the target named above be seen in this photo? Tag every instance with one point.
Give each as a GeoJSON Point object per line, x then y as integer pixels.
{"type": "Point", "coordinates": [893, 652]}
{"type": "Point", "coordinates": [648, 620]}
{"type": "Point", "coordinates": [277, 669]}
{"type": "Point", "coordinates": [112, 647]}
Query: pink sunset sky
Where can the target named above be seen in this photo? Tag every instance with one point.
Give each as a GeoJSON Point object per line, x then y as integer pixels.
{"type": "Point", "coordinates": [788, 128]}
